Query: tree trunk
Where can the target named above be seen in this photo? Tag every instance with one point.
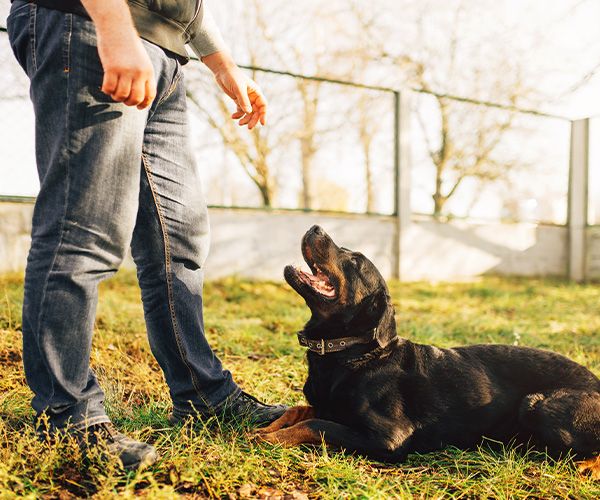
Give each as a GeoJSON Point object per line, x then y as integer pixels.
{"type": "Point", "coordinates": [265, 195]}
{"type": "Point", "coordinates": [307, 150]}
{"type": "Point", "coordinates": [439, 200]}
{"type": "Point", "coordinates": [369, 179]}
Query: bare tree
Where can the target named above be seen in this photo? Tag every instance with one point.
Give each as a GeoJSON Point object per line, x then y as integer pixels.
{"type": "Point", "coordinates": [368, 125]}
{"type": "Point", "coordinates": [302, 131]}
{"type": "Point", "coordinates": [307, 135]}
{"type": "Point", "coordinates": [252, 149]}
{"type": "Point", "coordinates": [465, 142]}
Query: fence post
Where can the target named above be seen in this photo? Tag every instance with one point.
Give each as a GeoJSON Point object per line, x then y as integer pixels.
{"type": "Point", "coordinates": [577, 214]}
{"type": "Point", "coordinates": [402, 178]}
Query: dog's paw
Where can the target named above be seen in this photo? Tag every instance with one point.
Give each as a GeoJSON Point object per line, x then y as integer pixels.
{"type": "Point", "coordinates": [262, 430]}
{"type": "Point", "coordinates": [590, 467]}
{"type": "Point", "coordinates": [267, 437]}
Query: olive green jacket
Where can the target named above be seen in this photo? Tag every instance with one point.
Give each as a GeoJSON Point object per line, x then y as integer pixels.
{"type": "Point", "coordinates": [171, 24]}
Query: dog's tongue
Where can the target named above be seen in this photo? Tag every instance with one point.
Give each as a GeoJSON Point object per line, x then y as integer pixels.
{"type": "Point", "coordinates": [319, 282]}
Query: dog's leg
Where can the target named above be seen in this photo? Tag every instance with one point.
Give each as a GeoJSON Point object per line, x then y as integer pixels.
{"type": "Point", "coordinates": [564, 420]}
{"type": "Point", "coordinates": [315, 431]}
{"type": "Point", "coordinates": [590, 467]}
{"type": "Point", "coordinates": [292, 416]}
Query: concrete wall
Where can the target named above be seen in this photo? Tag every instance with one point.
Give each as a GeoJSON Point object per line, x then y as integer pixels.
{"type": "Point", "coordinates": [15, 226]}
{"type": "Point", "coordinates": [462, 250]}
{"type": "Point", "coordinates": [593, 253]}
{"type": "Point", "coordinates": [258, 244]}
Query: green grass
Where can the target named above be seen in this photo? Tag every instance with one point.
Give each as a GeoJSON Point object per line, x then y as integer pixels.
{"type": "Point", "coordinates": [252, 326]}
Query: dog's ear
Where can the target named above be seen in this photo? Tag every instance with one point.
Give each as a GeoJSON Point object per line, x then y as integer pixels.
{"type": "Point", "coordinates": [377, 303]}
{"type": "Point", "coordinates": [378, 311]}
{"type": "Point", "coordinates": [369, 311]}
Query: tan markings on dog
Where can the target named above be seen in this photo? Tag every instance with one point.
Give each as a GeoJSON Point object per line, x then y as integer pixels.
{"type": "Point", "coordinates": [590, 467]}
{"type": "Point", "coordinates": [343, 294]}
{"type": "Point", "coordinates": [292, 416]}
{"type": "Point", "coordinates": [292, 436]}
{"type": "Point", "coordinates": [437, 352]}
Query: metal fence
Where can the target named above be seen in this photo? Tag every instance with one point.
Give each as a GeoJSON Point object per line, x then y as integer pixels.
{"type": "Point", "coordinates": [344, 146]}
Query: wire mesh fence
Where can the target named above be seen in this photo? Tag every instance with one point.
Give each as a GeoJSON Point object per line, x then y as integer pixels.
{"type": "Point", "coordinates": [330, 145]}
{"type": "Point", "coordinates": [483, 162]}
{"type": "Point", "coordinates": [594, 173]}
{"type": "Point", "coordinates": [17, 155]}
{"type": "Point", "coordinates": [326, 147]}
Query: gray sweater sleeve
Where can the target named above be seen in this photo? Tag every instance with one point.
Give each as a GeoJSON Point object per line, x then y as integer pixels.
{"type": "Point", "coordinates": [208, 40]}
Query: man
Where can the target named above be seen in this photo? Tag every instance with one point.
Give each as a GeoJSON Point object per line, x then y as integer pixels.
{"type": "Point", "coordinates": [116, 170]}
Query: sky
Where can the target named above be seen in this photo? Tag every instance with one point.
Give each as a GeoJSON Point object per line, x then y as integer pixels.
{"type": "Point", "coordinates": [555, 42]}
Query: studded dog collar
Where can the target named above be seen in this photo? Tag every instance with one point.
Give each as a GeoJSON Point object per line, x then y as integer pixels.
{"type": "Point", "coordinates": [325, 346]}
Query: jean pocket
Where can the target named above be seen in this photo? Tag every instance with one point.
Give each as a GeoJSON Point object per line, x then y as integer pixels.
{"type": "Point", "coordinates": [17, 26]}
{"type": "Point", "coordinates": [17, 7]}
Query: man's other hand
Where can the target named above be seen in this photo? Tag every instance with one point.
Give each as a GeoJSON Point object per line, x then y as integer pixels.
{"type": "Point", "coordinates": [245, 93]}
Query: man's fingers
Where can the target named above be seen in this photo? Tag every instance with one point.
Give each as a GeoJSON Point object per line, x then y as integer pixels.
{"type": "Point", "coordinates": [259, 102]}
{"type": "Point", "coordinates": [137, 93]}
{"type": "Point", "coordinates": [238, 114]}
{"type": "Point", "coordinates": [249, 99]}
{"type": "Point", "coordinates": [109, 83]}
{"type": "Point", "coordinates": [245, 119]}
{"type": "Point", "coordinates": [253, 121]}
{"type": "Point", "coordinates": [256, 96]}
{"type": "Point", "coordinates": [242, 99]}
{"type": "Point", "coordinates": [262, 115]}
{"type": "Point", "coordinates": [150, 94]}
{"type": "Point", "coordinates": [123, 89]}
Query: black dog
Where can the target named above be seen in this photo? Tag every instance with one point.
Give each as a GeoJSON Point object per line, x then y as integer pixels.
{"type": "Point", "coordinates": [374, 393]}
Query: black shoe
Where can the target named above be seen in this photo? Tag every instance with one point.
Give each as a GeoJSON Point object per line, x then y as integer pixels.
{"type": "Point", "coordinates": [243, 408]}
{"type": "Point", "coordinates": [104, 438]}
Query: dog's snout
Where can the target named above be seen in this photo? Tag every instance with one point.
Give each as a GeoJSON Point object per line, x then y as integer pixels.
{"type": "Point", "coordinates": [318, 230]}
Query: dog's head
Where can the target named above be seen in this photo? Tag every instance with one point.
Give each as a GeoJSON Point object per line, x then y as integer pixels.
{"type": "Point", "coordinates": [344, 291]}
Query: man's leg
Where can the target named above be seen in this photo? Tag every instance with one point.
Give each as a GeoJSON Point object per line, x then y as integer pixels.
{"type": "Point", "coordinates": [88, 151]}
{"type": "Point", "coordinates": [170, 245]}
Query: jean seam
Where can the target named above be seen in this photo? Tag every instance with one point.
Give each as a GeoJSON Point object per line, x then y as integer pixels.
{"type": "Point", "coordinates": [168, 273]}
{"type": "Point", "coordinates": [172, 87]}
{"type": "Point", "coordinates": [67, 42]}
{"type": "Point", "coordinates": [66, 156]}
{"type": "Point", "coordinates": [32, 28]}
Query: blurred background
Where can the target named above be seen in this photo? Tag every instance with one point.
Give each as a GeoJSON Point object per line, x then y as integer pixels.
{"type": "Point", "coordinates": [450, 123]}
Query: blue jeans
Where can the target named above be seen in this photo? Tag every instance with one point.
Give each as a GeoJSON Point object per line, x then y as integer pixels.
{"type": "Point", "coordinates": [111, 176]}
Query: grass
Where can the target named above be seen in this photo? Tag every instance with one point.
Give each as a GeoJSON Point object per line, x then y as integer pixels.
{"type": "Point", "coordinates": [252, 325]}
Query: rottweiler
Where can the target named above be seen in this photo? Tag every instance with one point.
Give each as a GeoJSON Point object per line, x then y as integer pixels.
{"type": "Point", "coordinates": [382, 396]}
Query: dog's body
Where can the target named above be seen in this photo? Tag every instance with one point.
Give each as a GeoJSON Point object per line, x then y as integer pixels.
{"type": "Point", "coordinates": [419, 398]}
{"type": "Point", "coordinates": [377, 394]}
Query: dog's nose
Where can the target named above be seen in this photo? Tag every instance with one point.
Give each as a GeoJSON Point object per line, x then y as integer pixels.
{"type": "Point", "coordinates": [318, 230]}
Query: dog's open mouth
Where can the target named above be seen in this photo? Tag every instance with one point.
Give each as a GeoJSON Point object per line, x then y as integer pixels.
{"type": "Point", "coordinates": [318, 281]}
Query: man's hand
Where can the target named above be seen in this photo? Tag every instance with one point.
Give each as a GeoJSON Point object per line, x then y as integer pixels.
{"type": "Point", "coordinates": [249, 99]}
{"type": "Point", "coordinates": [128, 71]}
